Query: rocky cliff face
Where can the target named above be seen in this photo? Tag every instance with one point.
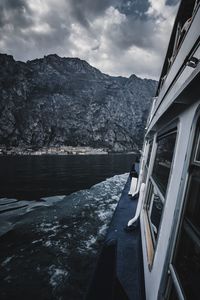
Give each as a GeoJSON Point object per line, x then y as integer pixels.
{"type": "Point", "coordinates": [65, 101]}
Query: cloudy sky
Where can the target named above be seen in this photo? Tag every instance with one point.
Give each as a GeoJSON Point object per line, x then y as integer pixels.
{"type": "Point", "coordinates": [119, 37]}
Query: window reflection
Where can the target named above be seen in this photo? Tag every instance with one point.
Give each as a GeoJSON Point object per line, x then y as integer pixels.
{"type": "Point", "coordinates": [193, 208]}
{"type": "Point", "coordinates": [156, 213]}
{"type": "Point", "coordinates": [163, 161]}
{"type": "Point", "coordinates": [154, 209]}
{"type": "Point", "coordinates": [158, 181]}
{"type": "Point", "coordinates": [173, 294]}
{"type": "Point", "coordinates": [149, 153]}
{"type": "Point", "coordinates": [197, 158]}
{"type": "Point", "coordinates": [187, 264]}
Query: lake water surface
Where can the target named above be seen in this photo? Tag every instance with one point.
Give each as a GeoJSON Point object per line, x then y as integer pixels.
{"type": "Point", "coordinates": [33, 177]}
{"type": "Point", "coordinates": [49, 248]}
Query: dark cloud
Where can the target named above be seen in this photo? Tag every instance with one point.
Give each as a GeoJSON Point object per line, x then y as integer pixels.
{"type": "Point", "coordinates": [86, 10]}
{"type": "Point", "coordinates": [14, 4]}
{"type": "Point", "coordinates": [15, 13]}
{"type": "Point", "coordinates": [2, 17]}
{"type": "Point", "coordinates": [134, 8]}
{"type": "Point", "coordinates": [26, 35]}
{"type": "Point", "coordinates": [91, 7]}
{"type": "Point", "coordinates": [172, 2]}
{"type": "Point", "coordinates": [133, 32]}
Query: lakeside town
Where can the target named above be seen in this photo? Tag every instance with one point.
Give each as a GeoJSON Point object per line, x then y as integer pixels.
{"type": "Point", "coordinates": [59, 150]}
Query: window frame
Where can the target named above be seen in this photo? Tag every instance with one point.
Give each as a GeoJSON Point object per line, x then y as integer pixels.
{"type": "Point", "coordinates": [197, 145]}
{"type": "Point", "coordinates": [155, 190]}
{"type": "Point", "coordinates": [168, 270]}
{"type": "Point", "coordinates": [151, 242]}
{"type": "Point", "coordinates": [160, 137]}
{"type": "Point", "coordinates": [184, 225]}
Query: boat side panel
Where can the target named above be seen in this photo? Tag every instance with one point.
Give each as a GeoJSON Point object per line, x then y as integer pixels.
{"type": "Point", "coordinates": [153, 277]}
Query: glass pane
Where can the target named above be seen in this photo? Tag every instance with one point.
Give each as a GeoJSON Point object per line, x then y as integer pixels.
{"type": "Point", "coordinates": [149, 195]}
{"type": "Point", "coordinates": [145, 174]}
{"type": "Point", "coordinates": [149, 153]}
{"type": "Point", "coordinates": [187, 264]}
{"type": "Point", "coordinates": [197, 157]}
{"type": "Point", "coordinates": [193, 205]}
{"type": "Point", "coordinates": [186, 260]}
{"type": "Point", "coordinates": [173, 294]}
{"type": "Point", "coordinates": [156, 213]}
{"type": "Point", "coordinates": [163, 161]}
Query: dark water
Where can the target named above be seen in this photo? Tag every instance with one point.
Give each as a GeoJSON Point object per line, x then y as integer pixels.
{"type": "Point", "coordinates": [32, 177]}
{"type": "Point", "coordinates": [50, 251]}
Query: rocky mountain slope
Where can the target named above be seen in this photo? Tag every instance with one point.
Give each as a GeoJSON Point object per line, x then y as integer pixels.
{"type": "Point", "coordinates": [64, 101]}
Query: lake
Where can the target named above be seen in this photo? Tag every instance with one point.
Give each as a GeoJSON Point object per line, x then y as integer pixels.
{"type": "Point", "coordinates": [55, 242]}
{"type": "Point", "coordinates": [33, 177]}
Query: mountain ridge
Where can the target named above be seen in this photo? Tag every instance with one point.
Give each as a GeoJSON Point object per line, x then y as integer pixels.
{"type": "Point", "coordinates": [54, 101]}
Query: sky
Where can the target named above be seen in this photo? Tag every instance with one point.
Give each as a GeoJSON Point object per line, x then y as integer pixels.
{"type": "Point", "coordinates": [119, 37]}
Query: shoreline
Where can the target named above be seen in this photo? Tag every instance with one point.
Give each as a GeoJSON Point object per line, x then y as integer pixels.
{"type": "Point", "coordinates": [61, 150]}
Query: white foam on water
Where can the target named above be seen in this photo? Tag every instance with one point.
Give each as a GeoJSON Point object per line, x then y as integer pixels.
{"type": "Point", "coordinates": [37, 241]}
{"type": "Point", "coordinates": [103, 229]}
{"type": "Point", "coordinates": [103, 215]}
{"type": "Point", "coordinates": [57, 275]}
{"type": "Point", "coordinates": [91, 241]}
{"type": "Point", "coordinates": [6, 261]}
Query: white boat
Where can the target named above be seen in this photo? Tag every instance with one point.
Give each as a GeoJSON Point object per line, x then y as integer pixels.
{"type": "Point", "coordinates": [169, 182]}
{"type": "Point", "coordinates": [170, 214]}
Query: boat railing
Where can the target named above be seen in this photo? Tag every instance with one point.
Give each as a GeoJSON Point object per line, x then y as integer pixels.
{"type": "Point", "coordinates": [139, 206]}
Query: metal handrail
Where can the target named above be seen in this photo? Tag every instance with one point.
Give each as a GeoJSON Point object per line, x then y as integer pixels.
{"type": "Point", "coordinates": [139, 206]}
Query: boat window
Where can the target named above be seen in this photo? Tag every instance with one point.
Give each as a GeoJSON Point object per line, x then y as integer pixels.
{"type": "Point", "coordinates": [197, 153]}
{"type": "Point", "coordinates": [193, 208]}
{"type": "Point", "coordinates": [185, 15]}
{"type": "Point", "coordinates": [150, 143]}
{"type": "Point", "coordinates": [182, 24]}
{"type": "Point", "coordinates": [186, 260]}
{"type": "Point", "coordinates": [158, 182]}
{"type": "Point", "coordinates": [149, 153]}
{"type": "Point", "coordinates": [156, 213]}
{"type": "Point", "coordinates": [163, 161]}
{"type": "Point", "coordinates": [149, 195]}
{"type": "Point", "coordinates": [173, 294]}
{"type": "Point", "coordinates": [154, 208]}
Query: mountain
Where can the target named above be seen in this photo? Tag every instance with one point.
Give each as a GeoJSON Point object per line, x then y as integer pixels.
{"type": "Point", "coordinates": [57, 101]}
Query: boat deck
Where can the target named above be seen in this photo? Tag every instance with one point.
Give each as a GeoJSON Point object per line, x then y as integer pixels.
{"type": "Point", "coordinates": [119, 272]}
